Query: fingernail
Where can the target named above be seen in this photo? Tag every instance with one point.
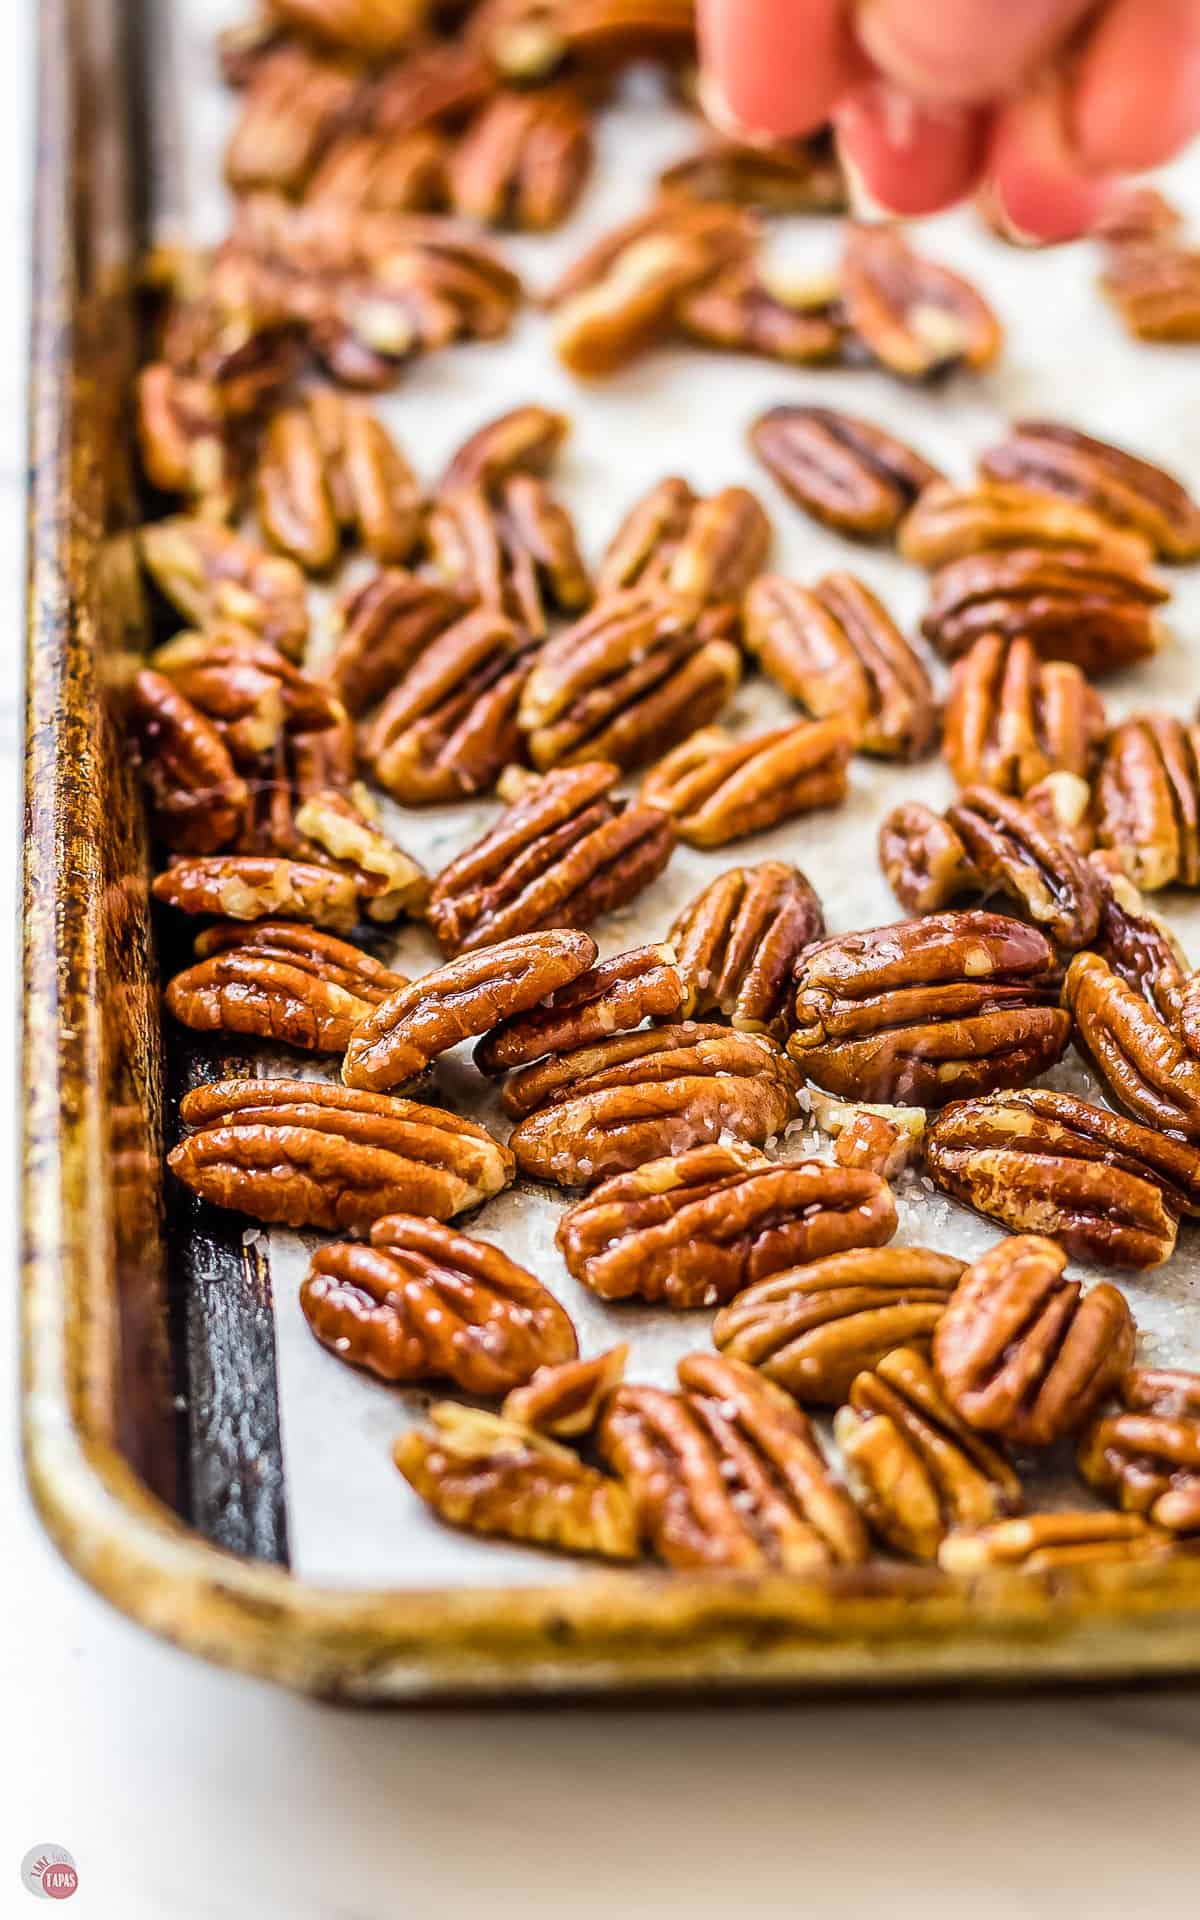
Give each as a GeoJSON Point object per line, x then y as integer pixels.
{"type": "Point", "coordinates": [995, 216]}
{"type": "Point", "coordinates": [865, 203]}
{"type": "Point", "coordinates": [714, 105]}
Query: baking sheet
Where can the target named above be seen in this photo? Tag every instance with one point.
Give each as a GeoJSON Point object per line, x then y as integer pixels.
{"type": "Point", "coordinates": [352, 1520]}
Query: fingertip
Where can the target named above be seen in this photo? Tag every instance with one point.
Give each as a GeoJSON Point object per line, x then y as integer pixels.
{"type": "Point", "coordinates": [911, 159]}
{"type": "Point", "coordinates": [1135, 90]}
{"type": "Point", "coordinates": [777, 66]}
{"type": "Point", "coordinates": [1034, 177]}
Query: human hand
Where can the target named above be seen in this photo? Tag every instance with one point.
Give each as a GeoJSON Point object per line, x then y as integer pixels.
{"type": "Point", "coordinates": [1046, 100]}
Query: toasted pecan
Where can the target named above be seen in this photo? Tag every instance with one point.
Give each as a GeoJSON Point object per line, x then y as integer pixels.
{"type": "Point", "coordinates": [1146, 1453]}
{"type": "Point", "coordinates": [1129, 492]}
{"type": "Point", "coordinates": [1095, 610]}
{"type": "Point", "coordinates": [704, 550]}
{"type": "Point", "coordinates": [718, 788]}
{"type": "Point", "coordinates": [1044, 1542]}
{"type": "Point", "coordinates": [612, 996]}
{"type": "Point", "coordinates": [277, 980]}
{"type": "Point", "coordinates": [737, 942]}
{"type": "Point", "coordinates": [212, 575]}
{"type": "Point", "coordinates": [197, 798]}
{"type": "Point", "coordinates": [1012, 718]}
{"type": "Point", "coordinates": [1148, 800]}
{"type": "Point", "coordinates": [913, 316]}
{"type": "Point", "coordinates": [510, 547]}
{"type": "Point", "coordinates": [567, 1399]}
{"type": "Point", "coordinates": [846, 472]}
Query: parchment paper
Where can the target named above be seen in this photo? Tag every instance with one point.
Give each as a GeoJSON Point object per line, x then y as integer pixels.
{"type": "Point", "coordinates": [351, 1518]}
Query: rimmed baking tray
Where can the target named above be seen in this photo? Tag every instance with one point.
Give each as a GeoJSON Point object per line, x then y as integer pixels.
{"type": "Point", "coordinates": [152, 1403]}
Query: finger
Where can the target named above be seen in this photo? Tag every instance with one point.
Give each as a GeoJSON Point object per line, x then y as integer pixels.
{"type": "Point", "coordinates": [777, 66]}
{"type": "Point", "coordinates": [964, 50]}
{"type": "Point", "coordinates": [1035, 177]}
{"type": "Point", "coordinates": [1135, 89]}
{"type": "Point", "coordinates": [910, 158]}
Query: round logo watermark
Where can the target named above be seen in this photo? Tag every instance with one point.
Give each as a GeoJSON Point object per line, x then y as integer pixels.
{"type": "Point", "coordinates": [50, 1872]}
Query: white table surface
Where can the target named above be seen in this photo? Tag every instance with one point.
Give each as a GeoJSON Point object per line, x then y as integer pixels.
{"type": "Point", "coordinates": [186, 1792]}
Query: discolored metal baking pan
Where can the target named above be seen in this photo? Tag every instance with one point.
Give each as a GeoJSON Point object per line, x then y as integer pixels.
{"type": "Point", "coordinates": [150, 1417]}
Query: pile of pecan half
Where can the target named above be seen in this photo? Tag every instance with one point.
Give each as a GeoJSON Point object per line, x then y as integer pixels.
{"type": "Point", "coordinates": [732, 1112]}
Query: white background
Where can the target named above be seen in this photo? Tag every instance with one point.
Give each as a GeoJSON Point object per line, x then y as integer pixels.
{"type": "Point", "coordinates": [182, 1791]}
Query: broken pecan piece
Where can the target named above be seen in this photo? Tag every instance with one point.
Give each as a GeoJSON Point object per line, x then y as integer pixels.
{"type": "Point", "coordinates": [382, 627]}
{"type": "Point", "coordinates": [1024, 1353]}
{"type": "Point", "coordinates": [737, 942]}
{"type": "Point", "coordinates": [246, 886]}
{"type": "Point", "coordinates": [695, 1228]}
{"type": "Point", "coordinates": [1147, 1455]}
{"type": "Point", "coordinates": [845, 472]}
{"type": "Point", "coordinates": [624, 683]}
{"type": "Point", "coordinates": [251, 693]}
{"type": "Point", "coordinates": [918, 1470]}
{"type": "Point", "coordinates": [928, 1010]}
{"type": "Point", "coordinates": [729, 1473]}
{"type": "Point", "coordinates": [212, 575]}
{"type": "Point", "coordinates": [1045, 1162]}
{"type": "Point", "coordinates": [1148, 800]}
{"type": "Point", "coordinates": [425, 1303]}
{"type": "Point", "coordinates": [561, 855]}
{"type": "Point", "coordinates": [303, 1153]}
{"type": "Point", "coordinates": [812, 1328]}
{"type": "Point", "coordinates": [913, 316]}
{"type": "Point", "coordinates": [511, 548]}
{"type": "Point", "coordinates": [1144, 1067]}
{"type": "Point", "coordinates": [1155, 287]}
{"type": "Point", "coordinates": [949, 522]}
{"type": "Point", "coordinates": [524, 440]}
{"type": "Point", "coordinates": [785, 176]}
{"type": "Point", "coordinates": [1013, 853]}
{"type": "Point", "coordinates": [279, 981]}
{"type": "Point", "coordinates": [493, 1476]}
{"type": "Point", "coordinates": [1013, 718]}
{"type": "Point", "coordinates": [327, 468]}
{"type": "Point", "coordinates": [567, 1399]}
{"type": "Point", "coordinates": [706, 551]}
{"type": "Point", "coordinates": [923, 859]}
{"type": "Point", "coordinates": [197, 798]}
{"type": "Point", "coordinates": [1092, 609]}
{"type": "Point", "coordinates": [1128, 492]}
{"type": "Point", "coordinates": [387, 882]}
{"type": "Point", "coordinates": [1041, 1542]}
{"type": "Point", "coordinates": [395, 1042]}
{"type": "Point", "coordinates": [614, 996]}
{"type": "Point", "coordinates": [524, 160]}
{"type": "Point", "coordinates": [878, 1142]}
{"type": "Point", "coordinates": [834, 648]}
{"type": "Point", "coordinates": [718, 788]}
{"type": "Point", "coordinates": [602, 1109]}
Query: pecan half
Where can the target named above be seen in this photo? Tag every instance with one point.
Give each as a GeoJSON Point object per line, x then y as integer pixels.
{"type": "Point", "coordinates": [737, 943]}
{"type": "Point", "coordinates": [1123, 489]}
{"type": "Point", "coordinates": [303, 1153]}
{"type": "Point", "coordinates": [364, 171]}
{"type": "Point", "coordinates": [1023, 1352]}
{"type": "Point", "coordinates": [1044, 1162]}
{"type": "Point", "coordinates": [524, 440]}
{"type": "Point", "coordinates": [329, 468]}
{"type": "Point", "coordinates": [704, 550]}
{"type": "Point", "coordinates": [439, 83]}
{"type": "Point", "coordinates": [196, 797]}
{"type": "Point", "coordinates": [1092, 609]}
{"type": "Point", "coordinates": [492, 1476]}
{"type": "Point", "coordinates": [247, 689]}
{"type": "Point", "coordinates": [425, 1303]}
{"type": "Point", "coordinates": [448, 727]}
{"type": "Point", "coordinates": [624, 683]}
{"type": "Point", "coordinates": [743, 309]}
{"type": "Point", "coordinates": [614, 996]}
{"type": "Point", "coordinates": [621, 294]}
{"type": "Point", "coordinates": [524, 160]}
{"type": "Point", "coordinates": [1013, 853]}
{"type": "Point", "coordinates": [1141, 948]}
{"type": "Point", "coordinates": [512, 548]}
{"type": "Point", "coordinates": [279, 981]}
{"type": "Point", "coordinates": [602, 1109]}
{"type": "Point", "coordinates": [566, 1400]}
{"type": "Point", "coordinates": [382, 627]}
{"type": "Point", "coordinates": [246, 886]}
{"type": "Point", "coordinates": [561, 855]}
{"type": "Point", "coordinates": [919, 1471]}
{"type": "Point", "coordinates": [928, 1010]}
{"type": "Point", "coordinates": [718, 788]}
{"type": "Point", "coordinates": [845, 472]}
{"type": "Point", "coordinates": [923, 859]}
{"type": "Point", "coordinates": [812, 1328]}
{"type": "Point", "coordinates": [1148, 800]}
{"type": "Point", "coordinates": [369, 26]}
{"type": "Point", "coordinates": [212, 575]}
{"type": "Point", "coordinates": [787, 176]}
{"type": "Point", "coordinates": [396, 1040]}
{"type": "Point", "coordinates": [1041, 1542]}
{"type": "Point", "coordinates": [1147, 1455]}
{"type": "Point", "coordinates": [295, 100]}
{"type": "Point", "coordinates": [184, 440]}
{"type": "Point", "coordinates": [835, 649]}
{"type": "Point", "coordinates": [914, 317]}
{"type": "Point", "coordinates": [729, 1473]}
{"type": "Point", "coordinates": [1155, 287]}
{"type": "Point", "coordinates": [695, 1228]}
{"type": "Point", "coordinates": [1140, 1059]}
{"type": "Point", "coordinates": [949, 522]}
{"type": "Point", "coordinates": [1012, 718]}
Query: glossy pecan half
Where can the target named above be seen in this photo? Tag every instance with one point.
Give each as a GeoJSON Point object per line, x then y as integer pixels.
{"type": "Point", "coordinates": [718, 788]}
{"type": "Point", "coordinates": [738, 941]}
{"type": "Point", "coordinates": [1012, 718]}
{"type": "Point", "coordinates": [425, 1303]}
{"type": "Point", "coordinates": [567, 1399]}
{"type": "Point", "coordinates": [279, 981]}
{"type": "Point", "coordinates": [524, 160]}
{"type": "Point", "coordinates": [812, 1328]}
{"type": "Point", "coordinates": [923, 859]}
{"type": "Point", "coordinates": [1146, 1455]}
{"type": "Point", "coordinates": [1155, 287]}
{"type": "Point", "coordinates": [834, 648]}
{"type": "Point", "coordinates": [197, 799]}
{"type": "Point", "coordinates": [1140, 947]}
{"type": "Point", "coordinates": [1092, 609]}
{"type": "Point", "coordinates": [561, 855]}
{"type": "Point", "coordinates": [523, 440]}
{"type": "Point", "coordinates": [1148, 800]}
{"type": "Point", "coordinates": [247, 689]}
{"type": "Point", "coordinates": [603, 1109]}
{"type": "Point", "coordinates": [493, 1476]}
{"type": "Point", "coordinates": [784, 176]}
{"type": "Point", "coordinates": [1128, 492]}
{"type": "Point", "coordinates": [950, 522]}
{"type": "Point", "coordinates": [1023, 1352]}
{"type": "Point", "coordinates": [928, 1010]}
{"type": "Point", "coordinates": [381, 628]}
{"type": "Point", "coordinates": [1014, 854]}
{"type": "Point", "coordinates": [846, 472]}
{"type": "Point", "coordinates": [396, 1040]}
{"type": "Point", "coordinates": [917, 1469]}
{"type": "Point", "coordinates": [694, 1228]}
{"type": "Point", "coordinates": [304, 1153]}
{"type": "Point", "coordinates": [1039, 1161]}
{"type": "Point", "coordinates": [614, 996]}
{"type": "Point", "coordinates": [728, 1473]}
{"type": "Point", "coordinates": [746, 309]}
{"type": "Point", "coordinates": [295, 100]}
{"type": "Point", "coordinates": [248, 886]}
{"type": "Point", "coordinates": [625, 683]}
{"type": "Point", "coordinates": [329, 469]}
{"type": "Point", "coordinates": [1043, 1542]}
{"type": "Point", "coordinates": [705, 550]}
{"type": "Point", "coordinates": [1141, 1060]}
{"type": "Point", "coordinates": [212, 575]}
{"type": "Point", "coordinates": [512, 548]}
{"type": "Point", "coordinates": [914, 317]}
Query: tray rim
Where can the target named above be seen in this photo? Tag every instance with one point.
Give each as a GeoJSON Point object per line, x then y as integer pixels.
{"type": "Point", "coordinates": [606, 1633]}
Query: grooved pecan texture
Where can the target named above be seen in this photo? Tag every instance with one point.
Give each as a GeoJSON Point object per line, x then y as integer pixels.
{"type": "Point", "coordinates": [212, 575]}
{"type": "Point", "coordinates": [1012, 719]}
{"type": "Point", "coordinates": [1096, 610]}
{"type": "Point", "coordinates": [329, 468]}
{"type": "Point", "coordinates": [1042, 1542]}
{"type": "Point", "coordinates": [705, 550]}
{"type": "Point", "coordinates": [511, 547]}
{"type": "Point", "coordinates": [1146, 1454]}
{"type": "Point", "coordinates": [381, 629]}
{"type": "Point", "coordinates": [718, 788]}
{"type": "Point", "coordinates": [279, 981]}
{"type": "Point", "coordinates": [1148, 801]}
{"type": "Point", "coordinates": [949, 522]}
{"type": "Point", "coordinates": [523, 161]}
{"type": "Point", "coordinates": [1013, 853]}
{"type": "Point", "coordinates": [737, 942]}
{"type": "Point", "coordinates": [567, 1399]}
{"type": "Point", "coordinates": [1141, 1060]}
{"type": "Point", "coordinates": [846, 472]}
{"type": "Point", "coordinates": [523, 440]}
{"type": "Point", "coordinates": [197, 798]}
{"type": "Point", "coordinates": [1128, 492]}
{"type": "Point", "coordinates": [914, 317]}
{"type": "Point", "coordinates": [924, 860]}
{"type": "Point", "coordinates": [614, 996]}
